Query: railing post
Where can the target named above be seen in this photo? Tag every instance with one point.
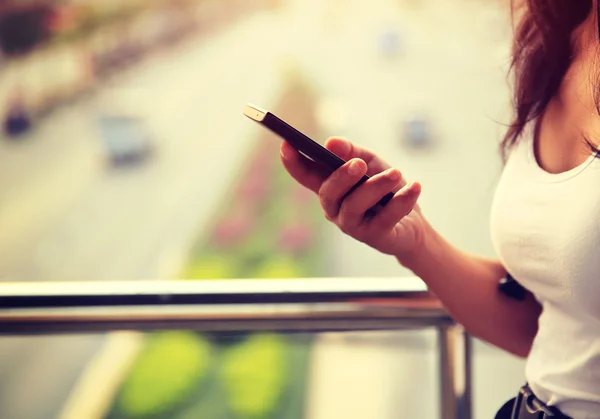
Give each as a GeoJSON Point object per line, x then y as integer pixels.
{"type": "Point", "coordinates": [455, 372]}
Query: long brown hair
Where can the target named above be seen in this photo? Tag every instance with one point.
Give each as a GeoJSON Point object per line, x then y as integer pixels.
{"type": "Point", "coordinates": [542, 53]}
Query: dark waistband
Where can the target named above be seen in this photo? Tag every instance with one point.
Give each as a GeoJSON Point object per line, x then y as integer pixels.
{"type": "Point", "coordinates": [528, 406]}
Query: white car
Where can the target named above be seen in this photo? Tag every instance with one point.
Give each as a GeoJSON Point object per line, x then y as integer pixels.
{"type": "Point", "coordinates": [391, 42]}
{"type": "Point", "coordinates": [124, 132]}
{"type": "Point", "coordinates": [417, 133]}
{"type": "Point", "coordinates": [126, 139]}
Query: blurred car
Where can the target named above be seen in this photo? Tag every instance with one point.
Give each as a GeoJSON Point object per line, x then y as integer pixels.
{"type": "Point", "coordinates": [16, 123]}
{"type": "Point", "coordinates": [125, 138]}
{"type": "Point", "coordinates": [391, 42]}
{"type": "Point", "coordinates": [417, 133]}
{"type": "Point", "coordinates": [17, 119]}
{"type": "Point", "coordinates": [122, 121]}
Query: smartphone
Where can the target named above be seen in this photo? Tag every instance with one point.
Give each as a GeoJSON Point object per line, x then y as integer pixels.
{"type": "Point", "coordinates": [309, 148]}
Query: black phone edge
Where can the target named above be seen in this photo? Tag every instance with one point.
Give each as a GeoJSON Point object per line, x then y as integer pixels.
{"type": "Point", "coordinates": [303, 143]}
{"type": "Point", "coordinates": [312, 149]}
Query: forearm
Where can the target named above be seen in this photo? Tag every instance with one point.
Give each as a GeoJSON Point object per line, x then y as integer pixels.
{"type": "Point", "coordinates": [467, 286]}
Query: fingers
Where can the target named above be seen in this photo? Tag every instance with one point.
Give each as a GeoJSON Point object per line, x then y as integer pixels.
{"type": "Point", "coordinates": [312, 175]}
{"type": "Point", "coordinates": [351, 206]}
{"type": "Point", "coordinates": [353, 209]}
{"type": "Point", "coordinates": [334, 189]}
{"type": "Point", "coordinates": [346, 150]}
{"type": "Point", "coordinates": [304, 171]}
{"type": "Point", "coordinates": [399, 207]}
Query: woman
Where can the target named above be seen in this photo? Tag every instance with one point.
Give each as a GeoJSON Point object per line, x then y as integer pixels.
{"type": "Point", "coordinates": [544, 220]}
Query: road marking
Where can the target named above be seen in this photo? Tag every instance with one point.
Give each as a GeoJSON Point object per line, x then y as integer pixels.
{"type": "Point", "coordinates": [96, 388]}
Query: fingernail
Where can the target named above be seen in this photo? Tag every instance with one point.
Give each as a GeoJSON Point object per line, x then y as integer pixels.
{"type": "Point", "coordinates": [284, 153]}
{"type": "Point", "coordinates": [354, 168]}
{"type": "Point", "coordinates": [394, 174]}
{"type": "Point", "coordinates": [413, 188]}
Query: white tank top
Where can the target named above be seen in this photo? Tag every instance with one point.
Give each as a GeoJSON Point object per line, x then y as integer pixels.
{"type": "Point", "coordinates": [546, 230]}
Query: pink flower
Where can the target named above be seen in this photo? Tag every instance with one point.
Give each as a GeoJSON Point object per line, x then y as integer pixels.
{"type": "Point", "coordinates": [254, 188]}
{"type": "Point", "coordinates": [295, 238]}
{"type": "Point", "coordinates": [230, 231]}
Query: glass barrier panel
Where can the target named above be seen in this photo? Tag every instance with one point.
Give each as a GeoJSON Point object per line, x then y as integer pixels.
{"type": "Point", "coordinates": [187, 374]}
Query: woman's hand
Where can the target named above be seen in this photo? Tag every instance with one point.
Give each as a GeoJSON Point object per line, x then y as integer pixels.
{"type": "Point", "coordinates": [396, 229]}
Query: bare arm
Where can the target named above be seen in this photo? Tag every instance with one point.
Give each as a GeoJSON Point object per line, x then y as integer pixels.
{"type": "Point", "coordinates": [467, 286]}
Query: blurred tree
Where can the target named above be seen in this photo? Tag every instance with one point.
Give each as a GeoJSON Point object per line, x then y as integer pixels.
{"type": "Point", "coordinates": [22, 28]}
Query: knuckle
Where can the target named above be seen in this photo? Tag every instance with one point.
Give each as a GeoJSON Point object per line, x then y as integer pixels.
{"type": "Point", "coordinates": [330, 207]}
{"type": "Point", "coordinates": [348, 212]}
{"type": "Point", "coordinates": [322, 193]}
{"type": "Point", "coordinates": [345, 226]}
{"type": "Point", "coordinates": [349, 221]}
{"type": "Point", "coordinates": [364, 236]}
{"type": "Point", "coordinates": [380, 222]}
{"type": "Point", "coordinates": [326, 202]}
{"type": "Point", "coordinates": [366, 240]}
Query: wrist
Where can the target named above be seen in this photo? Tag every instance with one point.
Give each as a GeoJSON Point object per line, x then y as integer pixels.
{"type": "Point", "coordinates": [423, 252]}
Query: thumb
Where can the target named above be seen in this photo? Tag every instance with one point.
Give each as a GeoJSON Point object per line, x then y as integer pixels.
{"type": "Point", "coordinates": [347, 150]}
{"type": "Point", "coordinates": [340, 146]}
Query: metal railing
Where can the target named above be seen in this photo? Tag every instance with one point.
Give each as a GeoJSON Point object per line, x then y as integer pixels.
{"type": "Point", "coordinates": [299, 305]}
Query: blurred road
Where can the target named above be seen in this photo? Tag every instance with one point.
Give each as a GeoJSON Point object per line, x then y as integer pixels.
{"type": "Point", "coordinates": [66, 216]}
{"type": "Point", "coordinates": [63, 209]}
